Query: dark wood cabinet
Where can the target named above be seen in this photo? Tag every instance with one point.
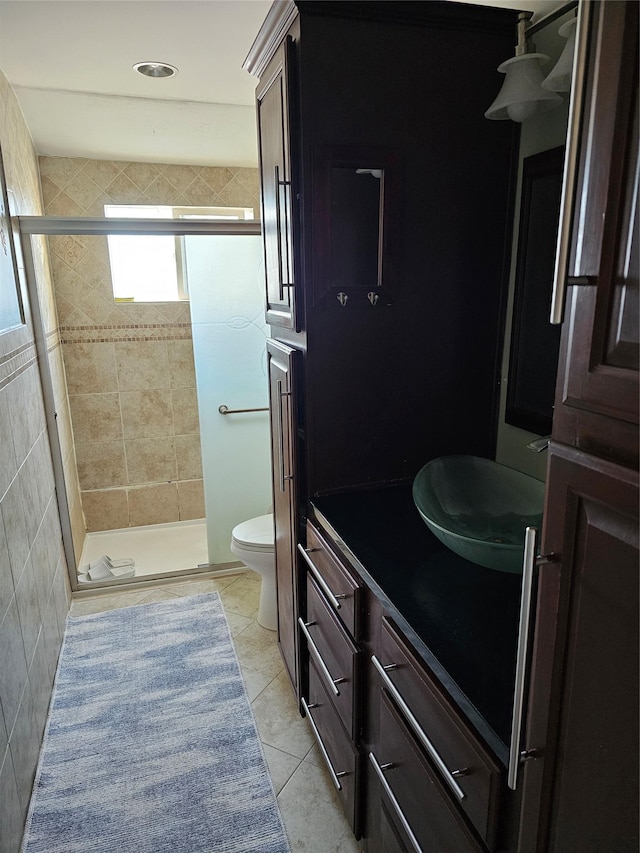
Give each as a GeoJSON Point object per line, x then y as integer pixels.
{"type": "Point", "coordinates": [583, 718]}
{"type": "Point", "coordinates": [580, 790]}
{"type": "Point", "coordinates": [281, 371]}
{"type": "Point", "coordinates": [364, 390]}
{"type": "Point", "coordinates": [400, 227]}
{"type": "Point", "coordinates": [274, 103]}
{"type": "Point", "coordinates": [597, 392]}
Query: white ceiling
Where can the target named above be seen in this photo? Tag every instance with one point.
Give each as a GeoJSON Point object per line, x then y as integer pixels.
{"type": "Point", "coordinates": [70, 63]}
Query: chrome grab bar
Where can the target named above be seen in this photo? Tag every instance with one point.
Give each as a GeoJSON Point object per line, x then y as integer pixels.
{"type": "Point", "coordinates": [225, 410]}
{"type": "Point", "coordinates": [448, 775]}
{"type": "Point", "coordinates": [380, 769]}
{"type": "Point", "coordinates": [576, 109]}
{"type": "Point", "coordinates": [335, 777]}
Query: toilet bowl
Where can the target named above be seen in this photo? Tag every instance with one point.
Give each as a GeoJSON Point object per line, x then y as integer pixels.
{"type": "Point", "coordinates": [252, 542]}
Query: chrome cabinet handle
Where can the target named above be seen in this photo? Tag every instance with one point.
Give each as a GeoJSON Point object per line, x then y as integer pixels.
{"type": "Point", "coordinates": [380, 769]}
{"type": "Point", "coordinates": [280, 433]}
{"type": "Point", "coordinates": [279, 233]}
{"type": "Point", "coordinates": [449, 776]}
{"type": "Point", "coordinates": [332, 682]}
{"type": "Point", "coordinates": [528, 566]}
{"type": "Point", "coordinates": [335, 776]}
{"type": "Point", "coordinates": [286, 187]}
{"type": "Point", "coordinates": [321, 581]}
{"type": "Point", "coordinates": [576, 108]}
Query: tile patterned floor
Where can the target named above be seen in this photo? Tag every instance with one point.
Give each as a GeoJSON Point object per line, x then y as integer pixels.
{"type": "Point", "coordinates": [311, 812]}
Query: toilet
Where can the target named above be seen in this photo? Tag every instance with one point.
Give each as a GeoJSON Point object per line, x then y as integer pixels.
{"type": "Point", "coordinates": [252, 542]}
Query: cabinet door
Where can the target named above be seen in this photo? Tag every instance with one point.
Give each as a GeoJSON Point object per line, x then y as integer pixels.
{"type": "Point", "coordinates": [583, 707]}
{"type": "Point", "coordinates": [281, 361]}
{"type": "Point", "coordinates": [273, 105]}
{"type": "Point", "coordinates": [597, 393]}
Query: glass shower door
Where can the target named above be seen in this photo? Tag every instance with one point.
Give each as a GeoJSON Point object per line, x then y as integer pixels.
{"type": "Point", "coordinates": [225, 280]}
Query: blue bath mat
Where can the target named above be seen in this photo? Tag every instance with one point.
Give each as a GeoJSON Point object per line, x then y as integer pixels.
{"type": "Point", "coordinates": [151, 745]}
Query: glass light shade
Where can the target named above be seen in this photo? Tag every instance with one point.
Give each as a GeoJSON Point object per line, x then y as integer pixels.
{"type": "Point", "coordinates": [559, 79]}
{"type": "Point", "coordinates": [522, 94]}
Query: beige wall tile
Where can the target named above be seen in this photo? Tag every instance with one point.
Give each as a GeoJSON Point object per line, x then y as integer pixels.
{"type": "Point", "coordinates": [146, 414]}
{"type": "Point", "coordinates": [103, 172]}
{"type": "Point", "coordinates": [180, 176]}
{"type": "Point", "coordinates": [123, 191]}
{"type": "Point", "coordinates": [96, 417]}
{"type": "Point", "coordinates": [106, 510]}
{"type": "Point", "coordinates": [14, 528]}
{"type": "Point", "coordinates": [26, 410]}
{"type": "Point", "coordinates": [78, 529]}
{"type": "Point", "coordinates": [188, 457]}
{"type": "Point", "coordinates": [191, 499]}
{"type": "Point", "coordinates": [153, 504]}
{"type": "Point", "coordinates": [185, 411]}
{"type": "Point", "coordinates": [82, 190]}
{"type": "Point", "coordinates": [151, 460]}
{"type": "Point", "coordinates": [201, 194]}
{"type": "Point", "coordinates": [142, 174]}
{"type": "Point", "coordinates": [236, 194]}
{"type": "Point", "coordinates": [65, 431]}
{"type": "Point", "coordinates": [142, 365]}
{"type": "Point", "coordinates": [216, 176]}
{"type": "Point", "coordinates": [101, 464]}
{"type": "Point", "coordinates": [181, 364]}
{"type": "Point", "coordinates": [29, 525]}
{"type": "Point", "coordinates": [59, 170]}
{"type": "Point", "coordinates": [58, 378]}
{"type": "Point", "coordinates": [8, 461]}
{"type": "Point", "coordinates": [90, 368]}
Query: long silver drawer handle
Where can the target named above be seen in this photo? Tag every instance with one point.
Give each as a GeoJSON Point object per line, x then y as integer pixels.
{"type": "Point", "coordinates": [419, 732]}
{"type": "Point", "coordinates": [334, 776]}
{"type": "Point", "coordinates": [528, 565]}
{"type": "Point", "coordinates": [280, 432]}
{"type": "Point", "coordinates": [380, 768]}
{"type": "Point", "coordinates": [576, 109]}
{"type": "Point", "coordinates": [316, 653]}
{"type": "Point", "coordinates": [321, 581]}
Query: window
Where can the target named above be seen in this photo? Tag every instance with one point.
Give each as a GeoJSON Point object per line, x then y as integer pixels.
{"type": "Point", "coordinates": [150, 268]}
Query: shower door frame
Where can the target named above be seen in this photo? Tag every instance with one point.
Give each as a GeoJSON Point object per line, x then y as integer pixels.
{"type": "Point", "coordinates": [32, 226]}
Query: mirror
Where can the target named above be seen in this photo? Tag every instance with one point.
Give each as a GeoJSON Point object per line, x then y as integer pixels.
{"type": "Point", "coordinates": [533, 357]}
{"type": "Point", "coordinates": [352, 226]}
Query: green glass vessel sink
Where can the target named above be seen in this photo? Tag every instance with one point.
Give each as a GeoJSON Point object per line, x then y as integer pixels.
{"type": "Point", "coordinates": [479, 508]}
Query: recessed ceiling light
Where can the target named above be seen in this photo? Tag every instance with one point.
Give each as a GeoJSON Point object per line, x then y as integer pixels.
{"type": "Point", "coordinates": [155, 69]}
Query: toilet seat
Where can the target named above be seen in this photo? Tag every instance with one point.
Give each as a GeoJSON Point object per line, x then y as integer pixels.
{"type": "Point", "coordinates": [256, 534]}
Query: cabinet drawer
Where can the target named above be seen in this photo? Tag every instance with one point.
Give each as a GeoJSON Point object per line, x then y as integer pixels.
{"type": "Point", "coordinates": [416, 801]}
{"type": "Point", "coordinates": [334, 654]}
{"type": "Point", "coordinates": [338, 751]}
{"type": "Point", "coordinates": [339, 586]}
{"type": "Point", "coordinates": [471, 774]}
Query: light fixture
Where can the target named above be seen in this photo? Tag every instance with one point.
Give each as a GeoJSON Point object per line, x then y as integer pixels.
{"type": "Point", "coordinates": [155, 69]}
{"type": "Point", "coordinates": [522, 94]}
{"type": "Point", "coordinates": [559, 79]}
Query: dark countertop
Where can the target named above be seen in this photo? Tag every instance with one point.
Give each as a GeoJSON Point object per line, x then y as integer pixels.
{"type": "Point", "coordinates": [462, 619]}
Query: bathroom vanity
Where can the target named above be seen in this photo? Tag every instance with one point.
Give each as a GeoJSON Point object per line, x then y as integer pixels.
{"type": "Point", "coordinates": [387, 211]}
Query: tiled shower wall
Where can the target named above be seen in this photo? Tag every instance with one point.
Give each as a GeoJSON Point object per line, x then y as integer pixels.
{"type": "Point", "coordinates": [34, 588]}
{"type": "Point", "coordinates": [129, 367]}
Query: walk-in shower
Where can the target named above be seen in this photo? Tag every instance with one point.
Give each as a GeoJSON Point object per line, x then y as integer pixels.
{"type": "Point", "coordinates": [222, 265]}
